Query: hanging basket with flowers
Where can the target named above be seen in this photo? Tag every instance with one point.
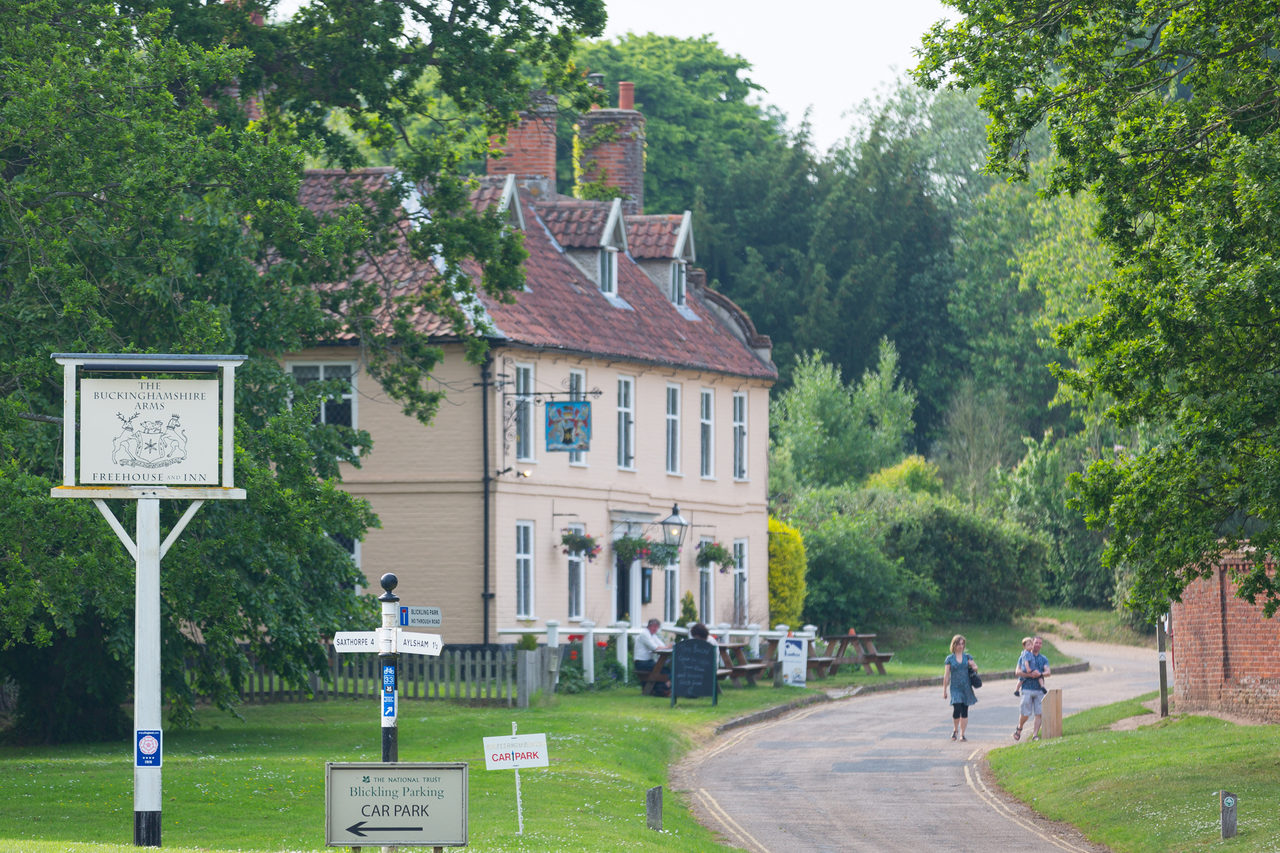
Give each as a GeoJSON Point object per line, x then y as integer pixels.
{"type": "Point", "coordinates": [580, 543]}
{"type": "Point", "coordinates": [661, 554]}
{"type": "Point", "coordinates": [714, 554]}
{"type": "Point", "coordinates": [630, 548]}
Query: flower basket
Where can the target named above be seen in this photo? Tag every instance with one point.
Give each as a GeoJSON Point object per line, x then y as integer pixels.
{"type": "Point", "coordinates": [574, 542]}
{"type": "Point", "coordinates": [630, 548]}
{"type": "Point", "coordinates": [662, 555]}
{"type": "Point", "coordinates": [715, 554]}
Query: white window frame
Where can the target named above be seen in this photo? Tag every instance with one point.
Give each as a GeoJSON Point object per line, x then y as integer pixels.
{"type": "Point", "coordinates": [524, 378]}
{"type": "Point", "coordinates": [679, 282]}
{"type": "Point", "coordinates": [706, 589]}
{"type": "Point", "coordinates": [608, 270]}
{"type": "Point", "coordinates": [739, 436]}
{"type": "Point", "coordinates": [741, 600]}
{"type": "Point", "coordinates": [524, 567]}
{"type": "Point", "coordinates": [627, 423]}
{"type": "Point", "coordinates": [578, 393]}
{"type": "Point", "coordinates": [348, 397]}
{"type": "Point", "coordinates": [673, 397]}
{"type": "Point", "coordinates": [707, 434]}
{"type": "Point", "coordinates": [577, 578]}
{"type": "Point", "coordinates": [671, 592]}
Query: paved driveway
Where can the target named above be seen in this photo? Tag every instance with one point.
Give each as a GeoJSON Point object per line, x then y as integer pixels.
{"type": "Point", "coordinates": [879, 772]}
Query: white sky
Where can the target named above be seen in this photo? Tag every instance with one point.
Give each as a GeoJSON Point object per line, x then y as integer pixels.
{"type": "Point", "coordinates": [826, 54]}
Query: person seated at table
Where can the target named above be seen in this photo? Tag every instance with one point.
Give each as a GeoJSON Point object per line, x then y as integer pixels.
{"type": "Point", "coordinates": [647, 648]}
{"type": "Point", "coordinates": [698, 631]}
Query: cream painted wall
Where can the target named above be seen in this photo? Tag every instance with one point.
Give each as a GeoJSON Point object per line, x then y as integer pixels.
{"type": "Point", "coordinates": [425, 483]}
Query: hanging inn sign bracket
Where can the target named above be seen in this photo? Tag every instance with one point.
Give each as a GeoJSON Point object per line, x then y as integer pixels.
{"type": "Point", "coordinates": [148, 428]}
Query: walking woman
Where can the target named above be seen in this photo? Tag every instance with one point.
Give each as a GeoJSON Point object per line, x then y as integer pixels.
{"type": "Point", "coordinates": [956, 688]}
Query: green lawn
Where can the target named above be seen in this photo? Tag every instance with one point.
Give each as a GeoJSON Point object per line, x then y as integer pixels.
{"type": "Point", "coordinates": [1152, 790]}
{"type": "Point", "coordinates": [258, 783]}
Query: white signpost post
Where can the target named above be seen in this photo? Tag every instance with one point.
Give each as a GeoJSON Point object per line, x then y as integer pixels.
{"type": "Point", "coordinates": [389, 641]}
{"type": "Point", "coordinates": [144, 435]}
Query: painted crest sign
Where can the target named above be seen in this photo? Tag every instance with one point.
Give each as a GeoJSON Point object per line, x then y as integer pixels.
{"type": "Point", "coordinates": [149, 432]}
{"type": "Point", "coordinates": [569, 425]}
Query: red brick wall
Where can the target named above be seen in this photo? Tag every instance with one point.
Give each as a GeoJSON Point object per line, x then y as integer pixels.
{"type": "Point", "coordinates": [613, 152]}
{"type": "Point", "coordinates": [530, 150]}
{"type": "Point", "coordinates": [1226, 654]}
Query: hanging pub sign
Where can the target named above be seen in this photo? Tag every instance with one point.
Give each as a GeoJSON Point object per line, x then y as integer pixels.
{"type": "Point", "coordinates": [569, 425]}
{"type": "Point", "coordinates": [149, 432]}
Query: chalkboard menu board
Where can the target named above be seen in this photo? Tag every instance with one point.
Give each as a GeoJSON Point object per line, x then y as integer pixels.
{"type": "Point", "coordinates": [693, 670]}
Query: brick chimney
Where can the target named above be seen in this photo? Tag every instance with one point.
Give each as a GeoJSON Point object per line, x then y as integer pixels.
{"type": "Point", "coordinates": [609, 151]}
{"type": "Point", "coordinates": [530, 149]}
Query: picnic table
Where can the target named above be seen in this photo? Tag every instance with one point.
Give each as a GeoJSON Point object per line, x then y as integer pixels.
{"type": "Point", "coordinates": [735, 666]}
{"type": "Point", "coordinates": [854, 649]}
{"type": "Point", "coordinates": [648, 680]}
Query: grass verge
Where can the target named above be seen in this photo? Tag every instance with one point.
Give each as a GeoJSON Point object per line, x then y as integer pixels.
{"type": "Point", "coordinates": [1154, 789]}
{"type": "Point", "coordinates": [1099, 626]}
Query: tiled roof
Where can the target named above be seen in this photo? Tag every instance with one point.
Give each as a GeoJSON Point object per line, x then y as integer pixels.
{"type": "Point", "coordinates": [396, 272]}
{"type": "Point", "coordinates": [561, 309]}
{"type": "Point", "coordinates": [653, 235]}
{"type": "Point", "coordinates": [575, 224]}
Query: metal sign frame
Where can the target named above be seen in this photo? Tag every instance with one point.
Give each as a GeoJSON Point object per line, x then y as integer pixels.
{"type": "Point", "coordinates": [75, 364]}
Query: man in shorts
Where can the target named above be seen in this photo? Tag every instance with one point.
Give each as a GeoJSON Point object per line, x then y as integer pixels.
{"type": "Point", "coordinates": [1032, 670]}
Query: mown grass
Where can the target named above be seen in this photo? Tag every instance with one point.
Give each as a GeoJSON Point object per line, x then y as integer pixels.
{"type": "Point", "coordinates": [1153, 789]}
{"type": "Point", "coordinates": [258, 783]}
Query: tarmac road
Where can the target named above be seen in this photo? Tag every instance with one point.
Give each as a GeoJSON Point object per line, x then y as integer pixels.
{"type": "Point", "coordinates": [879, 771]}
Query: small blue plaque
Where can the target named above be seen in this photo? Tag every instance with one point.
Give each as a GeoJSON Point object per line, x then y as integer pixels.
{"type": "Point", "coordinates": [149, 752]}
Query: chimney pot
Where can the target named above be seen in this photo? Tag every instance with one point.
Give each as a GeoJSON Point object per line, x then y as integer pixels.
{"type": "Point", "coordinates": [626, 96]}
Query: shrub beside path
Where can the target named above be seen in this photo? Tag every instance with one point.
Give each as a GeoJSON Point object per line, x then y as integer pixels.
{"type": "Point", "coordinates": [879, 772]}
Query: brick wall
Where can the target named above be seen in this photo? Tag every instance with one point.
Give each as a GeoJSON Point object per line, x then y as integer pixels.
{"type": "Point", "coordinates": [1226, 654]}
{"type": "Point", "coordinates": [530, 149]}
{"type": "Point", "coordinates": [613, 152]}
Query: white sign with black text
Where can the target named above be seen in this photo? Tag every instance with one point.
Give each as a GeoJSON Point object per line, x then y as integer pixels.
{"type": "Point", "coordinates": [398, 804]}
{"type": "Point", "coordinates": [136, 432]}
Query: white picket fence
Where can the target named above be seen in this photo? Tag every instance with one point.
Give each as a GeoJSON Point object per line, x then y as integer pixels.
{"type": "Point", "coordinates": [555, 635]}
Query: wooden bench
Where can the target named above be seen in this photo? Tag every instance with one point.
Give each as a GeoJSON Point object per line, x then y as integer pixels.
{"type": "Point", "coordinates": [652, 678]}
{"type": "Point", "coordinates": [879, 659]}
{"type": "Point", "coordinates": [819, 666]}
{"type": "Point", "coordinates": [749, 671]}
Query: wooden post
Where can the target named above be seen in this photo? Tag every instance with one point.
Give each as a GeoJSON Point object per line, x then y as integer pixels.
{"type": "Point", "coordinates": [653, 808]}
{"type": "Point", "coordinates": [1227, 803]}
{"type": "Point", "coordinates": [1051, 725]}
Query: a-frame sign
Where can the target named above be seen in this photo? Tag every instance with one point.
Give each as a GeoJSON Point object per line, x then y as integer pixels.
{"type": "Point", "coordinates": [148, 428]}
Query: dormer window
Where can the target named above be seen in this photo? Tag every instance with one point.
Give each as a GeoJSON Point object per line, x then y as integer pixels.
{"type": "Point", "coordinates": [679, 273]}
{"type": "Point", "coordinates": [609, 270]}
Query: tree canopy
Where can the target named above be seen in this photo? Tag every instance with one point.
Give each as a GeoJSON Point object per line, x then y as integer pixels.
{"type": "Point", "coordinates": [1167, 113]}
{"type": "Point", "coordinates": [150, 161]}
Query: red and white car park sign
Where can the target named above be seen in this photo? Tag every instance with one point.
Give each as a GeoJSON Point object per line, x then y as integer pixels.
{"type": "Point", "coordinates": [513, 752]}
